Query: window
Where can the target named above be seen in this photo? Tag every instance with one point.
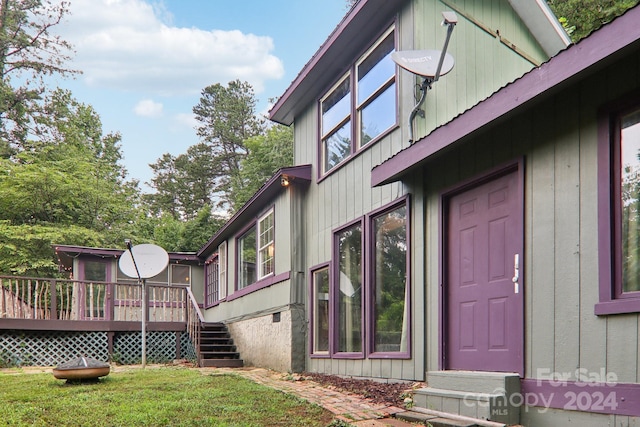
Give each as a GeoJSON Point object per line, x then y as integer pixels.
{"type": "Point", "coordinates": [222, 270]}
{"type": "Point", "coordinates": [360, 305]}
{"type": "Point", "coordinates": [180, 274]}
{"type": "Point", "coordinates": [247, 258]}
{"type": "Point", "coordinates": [212, 290]}
{"type": "Point", "coordinates": [266, 247]}
{"type": "Point", "coordinates": [348, 284]}
{"type": "Point", "coordinates": [619, 204]}
{"type": "Point", "coordinates": [320, 311]}
{"type": "Point", "coordinates": [389, 288]}
{"type": "Point", "coordinates": [256, 251]}
{"type": "Point", "coordinates": [372, 101]}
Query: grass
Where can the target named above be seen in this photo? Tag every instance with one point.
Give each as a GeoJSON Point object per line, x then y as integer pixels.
{"type": "Point", "coordinates": [151, 397]}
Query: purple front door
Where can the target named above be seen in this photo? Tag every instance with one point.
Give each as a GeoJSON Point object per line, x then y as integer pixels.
{"type": "Point", "coordinates": [483, 320]}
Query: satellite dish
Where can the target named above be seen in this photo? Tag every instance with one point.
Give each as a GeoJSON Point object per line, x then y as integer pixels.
{"type": "Point", "coordinates": [423, 62]}
{"type": "Point", "coordinates": [429, 64]}
{"type": "Point", "coordinates": [150, 260]}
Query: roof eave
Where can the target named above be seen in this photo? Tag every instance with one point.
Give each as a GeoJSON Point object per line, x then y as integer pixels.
{"type": "Point", "coordinates": [343, 44]}
{"type": "Point", "coordinates": [585, 57]}
{"type": "Point", "coordinates": [543, 24]}
{"type": "Point", "coordinates": [300, 174]}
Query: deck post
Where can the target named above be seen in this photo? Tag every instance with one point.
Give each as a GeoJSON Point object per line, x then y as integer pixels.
{"type": "Point", "coordinates": [54, 300]}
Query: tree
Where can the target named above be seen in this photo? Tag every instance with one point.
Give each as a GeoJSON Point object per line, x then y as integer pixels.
{"type": "Point", "coordinates": [227, 119]}
{"type": "Point", "coordinates": [28, 53]}
{"type": "Point", "coordinates": [68, 186]}
{"type": "Point", "coordinates": [581, 17]}
{"type": "Point", "coordinates": [266, 154]}
{"type": "Point", "coordinates": [183, 184]}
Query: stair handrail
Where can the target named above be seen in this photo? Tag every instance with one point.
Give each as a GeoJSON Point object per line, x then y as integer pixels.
{"type": "Point", "coordinates": [195, 319]}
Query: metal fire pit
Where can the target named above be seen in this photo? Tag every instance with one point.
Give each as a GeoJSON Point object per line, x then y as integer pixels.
{"type": "Point", "coordinates": [81, 368]}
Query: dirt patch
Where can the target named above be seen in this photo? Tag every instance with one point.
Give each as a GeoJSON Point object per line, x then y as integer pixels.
{"type": "Point", "coordinates": [393, 393]}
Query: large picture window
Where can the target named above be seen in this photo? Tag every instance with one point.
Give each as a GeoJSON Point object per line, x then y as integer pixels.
{"type": "Point", "coordinates": [629, 212]}
{"type": "Point", "coordinates": [360, 302]}
{"type": "Point", "coordinates": [619, 204]}
{"type": "Point", "coordinates": [349, 290]}
{"type": "Point", "coordinates": [389, 290]}
{"type": "Point", "coordinates": [351, 117]}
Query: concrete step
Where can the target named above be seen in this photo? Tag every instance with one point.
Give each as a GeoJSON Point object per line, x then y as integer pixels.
{"type": "Point", "coordinates": [474, 381]}
{"type": "Point", "coordinates": [477, 395]}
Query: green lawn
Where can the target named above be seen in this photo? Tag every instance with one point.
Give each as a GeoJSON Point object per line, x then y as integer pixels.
{"type": "Point", "coordinates": [151, 397]}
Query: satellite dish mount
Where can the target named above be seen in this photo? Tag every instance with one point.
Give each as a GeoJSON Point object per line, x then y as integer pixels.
{"type": "Point", "coordinates": [423, 63]}
{"type": "Point", "coordinates": [143, 262]}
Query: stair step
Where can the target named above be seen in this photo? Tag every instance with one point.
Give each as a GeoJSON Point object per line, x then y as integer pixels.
{"type": "Point", "coordinates": [474, 382]}
{"type": "Point", "coordinates": [222, 363]}
{"type": "Point", "coordinates": [219, 354]}
{"type": "Point", "coordinates": [216, 347]}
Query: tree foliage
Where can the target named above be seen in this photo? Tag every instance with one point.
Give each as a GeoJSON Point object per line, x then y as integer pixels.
{"type": "Point", "coordinates": [65, 188]}
{"type": "Point", "coordinates": [265, 155]}
{"type": "Point", "coordinates": [28, 52]}
{"type": "Point", "coordinates": [183, 184]}
{"type": "Point", "coordinates": [227, 119]}
{"type": "Point", "coordinates": [211, 173]}
{"type": "Point", "coordinates": [581, 17]}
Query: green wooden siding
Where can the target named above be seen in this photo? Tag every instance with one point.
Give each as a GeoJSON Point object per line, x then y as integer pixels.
{"type": "Point", "coordinates": [558, 140]}
{"type": "Point", "coordinates": [346, 194]}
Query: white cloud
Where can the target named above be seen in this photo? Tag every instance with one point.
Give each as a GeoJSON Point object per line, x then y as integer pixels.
{"type": "Point", "coordinates": [148, 108]}
{"type": "Point", "coordinates": [131, 45]}
{"type": "Point", "coordinates": [186, 120]}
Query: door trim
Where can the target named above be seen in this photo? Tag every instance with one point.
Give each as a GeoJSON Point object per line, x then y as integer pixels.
{"type": "Point", "coordinates": [516, 166]}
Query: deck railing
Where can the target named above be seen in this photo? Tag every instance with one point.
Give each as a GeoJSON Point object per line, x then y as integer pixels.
{"type": "Point", "coordinates": [30, 298]}
{"type": "Point", "coordinates": [194, 322]}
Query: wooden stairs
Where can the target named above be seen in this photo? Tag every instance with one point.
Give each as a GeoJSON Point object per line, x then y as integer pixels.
{"type": "Point", "coordinates": [216, 347]}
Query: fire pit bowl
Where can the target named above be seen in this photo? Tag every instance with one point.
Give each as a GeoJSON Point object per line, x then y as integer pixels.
{"type": "Point", "coordinates": [81, 368]}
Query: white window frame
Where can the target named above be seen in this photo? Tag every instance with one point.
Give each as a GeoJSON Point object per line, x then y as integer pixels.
{"type": "Point", "coordinates": [263, 249]}
{"type": "Point", "coordinates": [222, 271]}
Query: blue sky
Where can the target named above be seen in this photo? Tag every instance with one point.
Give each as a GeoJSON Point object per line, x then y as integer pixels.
{"type": "Point", "coordinates": [145, 62]}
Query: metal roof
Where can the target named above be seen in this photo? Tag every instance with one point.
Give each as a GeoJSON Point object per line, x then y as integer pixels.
{"type": "Point", "coordinates": [591, 54]}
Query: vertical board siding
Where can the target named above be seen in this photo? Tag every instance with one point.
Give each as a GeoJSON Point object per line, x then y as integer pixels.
{"type": "Point", "coordinates": [593, 354]}
{"type": "Point", "coordinates": [482, 65]}
{"type": "Point", "coordinates": [558, 139]}
{"type": "Point", "coordinates": [567, 239]}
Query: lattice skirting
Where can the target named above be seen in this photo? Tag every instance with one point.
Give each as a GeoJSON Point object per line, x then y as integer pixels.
{"type": "Point", "coordinates": [49, 348]}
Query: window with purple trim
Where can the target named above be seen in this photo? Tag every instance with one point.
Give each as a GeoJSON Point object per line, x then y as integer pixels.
{"type": "Point", "coordinates": [629, 207]}
{"type": "Point", "coordinates": [620, 152]}
{"type": "Point", "coordinates": [348, 290]}
{"type": "Point", "coordinates": [361, 106]}
{"type": "Point", "coordinates": [367, 289]}
{"type": "Point", "coordinates": [320, 311]}
{"type": "Point", "coordinates": [256, 251]}
{"type": "Point", "coordinates": [389, 288]}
